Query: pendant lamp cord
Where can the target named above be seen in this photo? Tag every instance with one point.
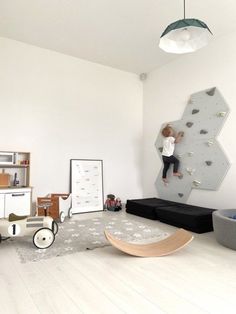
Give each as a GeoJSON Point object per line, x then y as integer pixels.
{"type": "Point", "coordinates": [184, 9]}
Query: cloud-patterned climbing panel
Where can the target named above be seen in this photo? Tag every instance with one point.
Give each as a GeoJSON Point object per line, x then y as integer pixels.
{"type": "Point", "coordinates": [203, 162]}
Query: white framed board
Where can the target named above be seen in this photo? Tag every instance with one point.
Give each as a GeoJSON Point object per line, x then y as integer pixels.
{"type": "Point", "coordinates": [86, 185]}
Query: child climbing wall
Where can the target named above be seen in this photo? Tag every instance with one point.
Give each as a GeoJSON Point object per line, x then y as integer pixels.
{"type": "Point", "coordinates": [203, 162]}
{"type": "Point", "coordinates": [169, 141]}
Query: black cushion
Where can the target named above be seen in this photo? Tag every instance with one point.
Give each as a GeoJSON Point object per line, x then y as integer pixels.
{"type": "Point", "coordinates": [190, 217]}
{"type": "Point", "coordinates": [142, 207]}
{"type": "Point", "coordinates": [194, 218]}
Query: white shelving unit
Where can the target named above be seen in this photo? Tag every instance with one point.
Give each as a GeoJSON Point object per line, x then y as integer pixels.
{"type": "Point", "coordinates": [15, 190]}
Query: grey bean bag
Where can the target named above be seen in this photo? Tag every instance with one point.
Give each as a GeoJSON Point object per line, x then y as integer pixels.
{"type": "Point", "coordinates": [225, 227]}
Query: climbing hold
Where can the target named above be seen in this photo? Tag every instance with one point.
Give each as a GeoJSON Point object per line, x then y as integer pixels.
{"type": "Point", "coordinates": [211, 91]}
{"type": "Point", "coordinates": [196, 182]}
{"type": "Point", "coordinates": [180, 177]}
{"type": "Point", "coordinates": [190, 154]}
{"type": "Point", "coordinates": [221, 114]}
{"type": "Point", "coordinates": [160, 149]}
{"type": "Point", "coordinates": [194, 111]}
{"type": "Point", "coordinates": [210, 142]}
{"type": "Point", "coordinates": [203, 131]}
{"type": "Point", "coordinates": [180, 194]}
{"type": "Point", "coordinates": [189, 124]}
{"type": "Point", "coordinates": [190, 101]}
{"type": "Point", "coordinates": [190, 171]}
{"type": "Point", "coordinates": [208, 162]}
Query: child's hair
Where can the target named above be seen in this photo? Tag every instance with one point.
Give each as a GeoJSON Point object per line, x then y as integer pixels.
{"type": "Point", "coordinates": [166, 131]}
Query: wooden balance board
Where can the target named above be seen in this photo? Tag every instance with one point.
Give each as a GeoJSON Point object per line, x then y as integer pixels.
{"type": "Point", "coordinates": [167, 246]}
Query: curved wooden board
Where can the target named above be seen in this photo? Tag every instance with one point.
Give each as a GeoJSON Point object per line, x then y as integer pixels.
{"type": "Point", "coordinates": [167, 246]}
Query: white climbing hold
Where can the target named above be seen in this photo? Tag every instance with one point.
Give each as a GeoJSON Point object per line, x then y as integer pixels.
{"type": "Point", "coordinates": [210, 142]}
{"type": "Point", "coordinates": [190, 154]}
{"type": "Point", "coordinates": [196, 182]}
{"type": "Point", "coordinates": [221, 114]}
{"type": "Point", "coordinates": [179, 156]}
{"type": "Point", "coordinates": [190, 171]}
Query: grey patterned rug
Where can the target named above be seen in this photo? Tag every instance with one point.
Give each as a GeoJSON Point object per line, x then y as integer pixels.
{"type": "Point", "coordinates": [76, 235]}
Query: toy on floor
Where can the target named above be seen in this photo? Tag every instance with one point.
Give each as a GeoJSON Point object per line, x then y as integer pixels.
{"type": "Point", "coordinates": [113, 203]}
{"type": "Point", "coordinates": [42, 229]}
{"type": "Point", "coordinates": [58, 206]}
{"type": "Point", "coordinates": [166, 246]}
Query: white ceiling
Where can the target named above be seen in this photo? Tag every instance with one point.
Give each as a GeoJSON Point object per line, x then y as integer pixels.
{"type": "Point", "coordinates": [123, 34]}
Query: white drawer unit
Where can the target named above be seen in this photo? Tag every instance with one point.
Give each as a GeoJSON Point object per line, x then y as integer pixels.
{"type": "Point", "coordinates": [2, 205]}
{"type": "Point", "coordinates": [17, 201]}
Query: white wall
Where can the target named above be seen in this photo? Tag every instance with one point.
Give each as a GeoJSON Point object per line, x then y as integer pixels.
{"type": "Point", "coordinates": [166, 92]}
{"type": "Point", "coordinates": [58, 107]}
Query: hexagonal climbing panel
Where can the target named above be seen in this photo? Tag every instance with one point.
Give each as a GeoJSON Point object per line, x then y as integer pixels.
{"type": "Point", "coordinates": [203, 162]}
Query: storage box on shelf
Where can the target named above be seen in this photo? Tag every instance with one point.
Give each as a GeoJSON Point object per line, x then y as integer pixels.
{"type": "Point", "coordinates": [15, 190]}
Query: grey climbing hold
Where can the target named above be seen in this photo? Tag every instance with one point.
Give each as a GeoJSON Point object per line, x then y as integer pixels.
{"type": "Point", "coordinates": [189, 124]}
{"type": "Point", "coordinates": [160, 149]}
{"type": "Point", "coordinates": [180, 177]}
{"type": "Point", "coordinates": [190, 102]}
{"type": "Point", "coordinates": [221, 114]}
{"type": "Point", "coordinates": [203, 131]}
{"type": "Point", "coordinates": [194, 111]}
{"type": "Point", "coordinates": [190, 154]}
{"type": "Point", "coordinates": [208, 162]}
{"type": "Point", "coordinates": [180, 194]}
{"type": "Point", "coordinates": [211, 91]}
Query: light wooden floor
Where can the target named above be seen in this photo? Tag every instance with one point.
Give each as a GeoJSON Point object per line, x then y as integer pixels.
{"type": "Point", "coordinates": [199, 279]}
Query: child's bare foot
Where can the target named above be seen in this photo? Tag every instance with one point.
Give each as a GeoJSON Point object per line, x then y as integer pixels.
{"type": "Point", "coordinates": [177, 174]}
{"type": "Point", "coordinates": [165, 180]}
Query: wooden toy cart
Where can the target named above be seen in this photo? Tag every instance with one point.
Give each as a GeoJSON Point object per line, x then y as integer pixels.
{"type": "Point", "coordinates": [58, 206]}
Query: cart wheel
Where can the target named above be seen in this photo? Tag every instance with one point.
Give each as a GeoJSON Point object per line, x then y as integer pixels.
{"type": "Point", "coordinates": [54, 227]}
{"type": "Point", "coordinates": [43, 238]}
{"type": "Point", "coordinates": [62, 217]}
{"type": "Point", "coordinates": [70, 213]}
